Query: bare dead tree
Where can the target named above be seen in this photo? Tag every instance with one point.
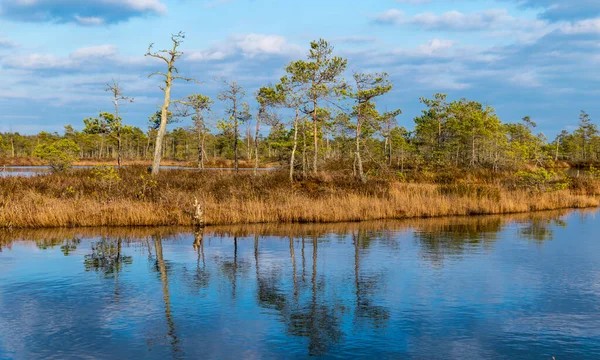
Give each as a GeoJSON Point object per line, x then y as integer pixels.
{"type": "Point", "coordinates": [169, 56]}
{"type": "Point", "coordinates": [238, 112]}
{"type": "Point", "coordinates": [117, 96]}
{"type": "Point", "coordinates": [196, 106]}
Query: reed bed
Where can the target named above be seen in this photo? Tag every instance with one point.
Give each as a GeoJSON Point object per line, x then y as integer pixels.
{"type": "Point", "coordinates": [130, 197]}
{"type": "Point", "coordinates": [456, 225]}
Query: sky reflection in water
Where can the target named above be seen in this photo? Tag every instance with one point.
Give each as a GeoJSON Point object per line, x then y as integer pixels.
{"type": "Point", "coordinates": [526, 286]}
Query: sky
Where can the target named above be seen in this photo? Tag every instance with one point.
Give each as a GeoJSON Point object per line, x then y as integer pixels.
{"type": "Point", "coordinates": [523, 57]}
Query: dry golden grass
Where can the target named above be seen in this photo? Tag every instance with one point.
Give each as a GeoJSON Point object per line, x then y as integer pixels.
{"type": "Point", "coordinates": [84, 199]}
{"type": "Point", "coordinates": [467, 225]}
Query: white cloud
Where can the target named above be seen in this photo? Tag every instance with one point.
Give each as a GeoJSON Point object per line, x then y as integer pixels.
{"type": "Point", "coordinates": [459, 21]}
{"type": "Point", "coordinates": [94, 52]}
{"type": "Point", "coordinates": [526, 78]}
{"type": "Point", "coordinates": [256, 44]}
{"type": "Point", "coordinates": [89, 20]}
{"type": "Point", "coordinates": [455, 20]}
{"type": "Point", "coordinates": [78, 60]}
{"type": "Point", "coordinates": [143, 5]}
{"type": "Point", "coordinates": [82, 12]}
{"type": "Point", "coordinates": [248, 46]}
{"type": "Point", "coordinates": [36, 61]}
{"type": "Point", "coordinates": [435, 46]}
{"type": "Point", "coordinates": [139, 5]}
{"type": "Point", "coordinates": [6, 43]}
{"type": "Point", "coordinates": [206, 55]}
{"type": "Point", "coordinates": [589, 26]}
{"type": "Point", "coordinates": [391, 16]}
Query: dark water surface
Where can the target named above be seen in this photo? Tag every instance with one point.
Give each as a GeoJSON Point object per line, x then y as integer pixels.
{"type": "Point", "coordinates": [524, 287]}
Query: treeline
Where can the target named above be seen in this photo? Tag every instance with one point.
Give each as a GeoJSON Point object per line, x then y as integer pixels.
{"type": "Point", "coordinates": [319, 117]}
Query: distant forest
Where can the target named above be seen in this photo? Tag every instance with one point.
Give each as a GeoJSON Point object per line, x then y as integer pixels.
{"type": "Point", "coordinates": [319, 117]}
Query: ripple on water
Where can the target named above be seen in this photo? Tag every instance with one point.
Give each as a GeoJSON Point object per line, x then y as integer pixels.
{"type": "Point", "coordinates": [440, 289]}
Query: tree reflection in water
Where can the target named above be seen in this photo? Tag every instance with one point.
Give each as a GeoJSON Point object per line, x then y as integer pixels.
{"type": "Point", "coordinates": [367, 285]}
{"type": "Point", "coordinates": [317, 321]}
{"type": "Point", "coordinates": [233, 268]}
{"type": "Point", "coordinates": [441, 239]}
{"type": "Point", "coordinates": [540, 229]}
{"type": "Point", "coordinates": [269, 294]}
{"type": "Point", "coordinates": [107, 258]}
{"type": "Point", "coordinates": [67, 246]}
{"type": "Point", "coordinates": [459, 236]}
{"type": "Point", "coordinates": [295, 285]}
{"type": "Point", "coordinates": [199, 277]}
{"type": "Point", "coordinates": [162, 268]}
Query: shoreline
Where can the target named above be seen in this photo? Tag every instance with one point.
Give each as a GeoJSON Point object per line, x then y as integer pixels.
{"type": "Point", "coordinates": [130, 197]}
{"type": "Point", "coordinates": [209, 165]}
{"type": "Point", "coordinates": [215, 226]}
{"type": "Point", "coordinates": [476, 222]}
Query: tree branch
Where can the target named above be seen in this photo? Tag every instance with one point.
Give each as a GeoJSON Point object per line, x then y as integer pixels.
{"type": "Point", "coordinates": [157, 73]}
{"type": "Point", "coordinates": [186, 79]}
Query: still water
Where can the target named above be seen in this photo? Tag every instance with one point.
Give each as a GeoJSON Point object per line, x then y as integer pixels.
{"type": "Point", "coordinates": [524, 287]}
{"type": "Point", "coordinates": [28, 171]}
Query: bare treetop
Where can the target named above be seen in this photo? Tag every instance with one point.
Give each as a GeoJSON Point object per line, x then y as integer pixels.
{"type": "Point", "coordinates": [173, 54]}
{"type": "Point", "coordinates": [117, 92]}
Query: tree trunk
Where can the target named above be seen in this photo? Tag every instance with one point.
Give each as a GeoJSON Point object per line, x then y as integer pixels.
{"type": "Point", "coordinates": [304, 160]}
{"type": "Point", "coordinates": [147, 146]}
{"type": "Point", "coordinates": [316, 138]}
{"type": "Point", "coordinates": [235, 138]}
{"type": "Point", "coordinates": [118, 132]}
{"type": "Point", "coordinates": [119, 149]}
{"type": "Point", "coordinates": [402, 165]}
{"type": "Point", "coordinates": [361, 174]}
{"type": "Point", "coordinates": [473, 150]}
{"type": "Point", "coordinates": [235, 148]}
{"type": "Point", "coordinates": [439, 139]}
{"type": "Point", "coordinates": [293, 157]}
{"type": "Point", "coordinates": [164, 115]}
{"type": "Point", "coordinates": [390, 152]}
{"type": "Point", "coordinates": [203, 150]}
{"type": "Point", "coordinates": [256, 143]}
{"type": "Point", "coordinates": [101, 146]}
{"type": "Point", "coordinates": [200, 137]}
{"type": "Point", "coordinates": [248, 143]}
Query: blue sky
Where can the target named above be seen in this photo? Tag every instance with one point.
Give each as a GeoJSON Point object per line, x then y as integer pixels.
{"type": "Point", "coordinates": [524, 57]}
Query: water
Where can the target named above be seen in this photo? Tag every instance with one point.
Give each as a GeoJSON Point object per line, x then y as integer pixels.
{"type": "Point", "coordinates": [28, 171]}
{"type": "Point", "coordinates": [524, 287]}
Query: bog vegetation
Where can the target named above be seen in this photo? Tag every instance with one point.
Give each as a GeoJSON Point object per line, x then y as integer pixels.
{"type": "Point", "coordinates": [342, 157]}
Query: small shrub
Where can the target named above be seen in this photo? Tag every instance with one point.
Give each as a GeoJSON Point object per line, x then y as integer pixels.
{"type": "Point", "coordinates": [106, 177]}
{"type": "Point", "coordinates": [60, 154]}
{"type": "Point", "coordinates": [69, 192]}
{"type": "Point", "coordinates": [146, 185]}
{"type": "Point", "coordinates": [401, 176]}
{"type": "Point", "coordinates": [562, 184]}
{"type": "Point", "coordinates": [537, 179]}
{"type": "Point", "coordinates": [594, 172]}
